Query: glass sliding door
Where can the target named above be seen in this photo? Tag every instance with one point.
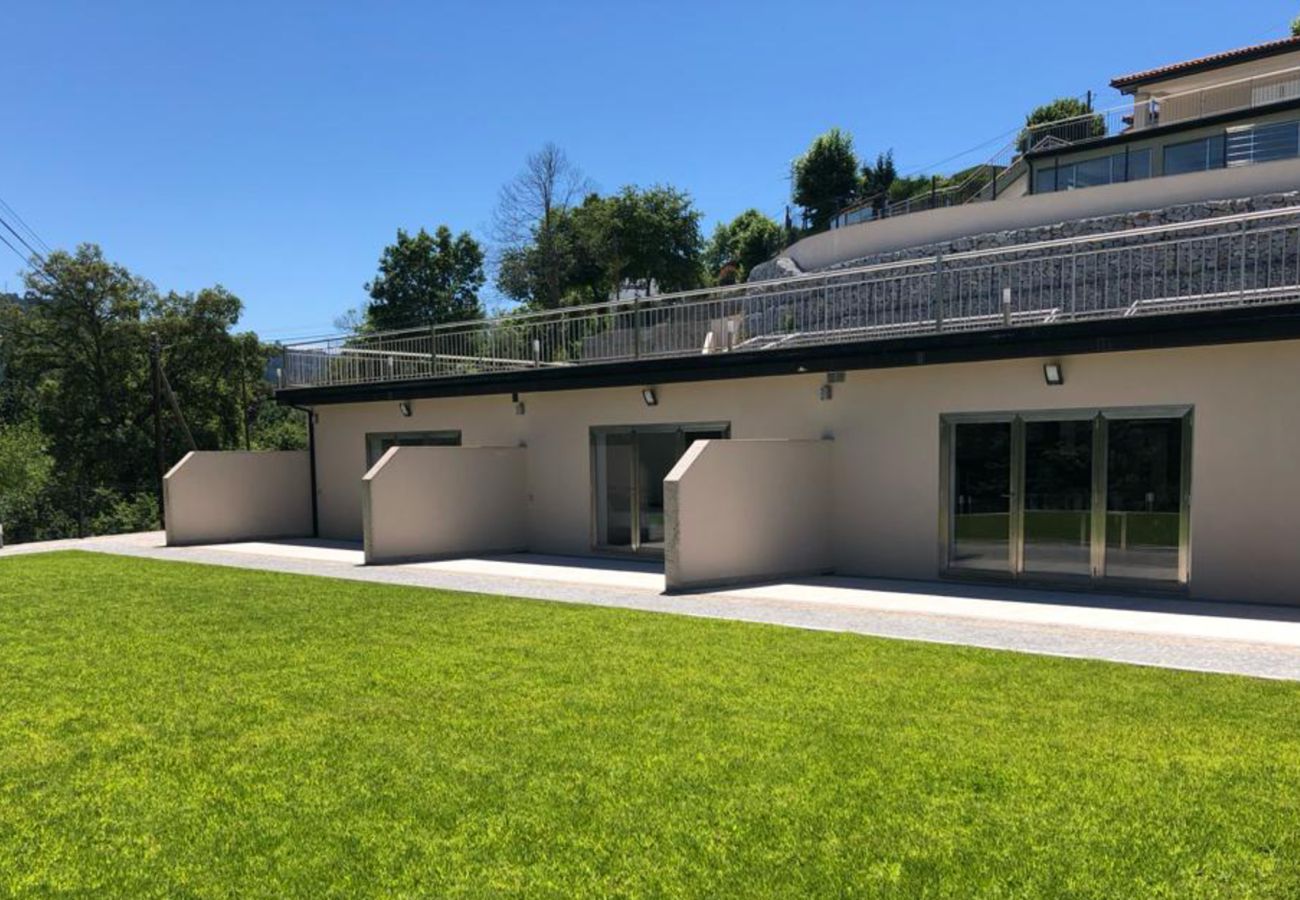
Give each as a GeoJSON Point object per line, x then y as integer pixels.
{"type": "Point", "coordinates": [629, 465]}
{"type": "Point", "coordinates": [613, 461]}
{"type": "Point", "coordinates": [980, 537]}
{"type": "Point", "coordinates": [1099, 495]}
{"type": "Point", "coordinates": [1057, 522]}
{"type": "Point", "coordinates": [1144, 498]}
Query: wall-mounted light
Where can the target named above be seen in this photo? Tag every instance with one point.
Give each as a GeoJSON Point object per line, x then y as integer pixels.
{"type": "Point", "coordinates": [404, 407]}
{"type": "Point", "coordinates": [825, 392]}
{"type": "Point", "coordinates": [649, 396]}
{"type": "Point", "coordinates": [1053, 374]}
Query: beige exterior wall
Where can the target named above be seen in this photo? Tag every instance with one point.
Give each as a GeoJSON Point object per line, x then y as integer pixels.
{"type": "Point", "coordinates": [213, 497]}
{"type": "Point", "coordinates": [1280, 64]}
{"type": "Point", "coordinates": [427, 502]}
{"type": "Point", "coordinates": [1245, 518]}
{"type": "Point", "coordinates": [938, 225]}
{"type": "Point", "coordinates": [341, 445]}
{"type": "Point", "coordinates": [739, 510]}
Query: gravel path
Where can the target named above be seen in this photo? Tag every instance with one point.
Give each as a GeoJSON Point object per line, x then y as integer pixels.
{"type": "Point", "coordinates": [1226, 638]}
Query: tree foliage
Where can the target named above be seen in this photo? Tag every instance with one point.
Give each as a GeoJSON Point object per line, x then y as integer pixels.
{"type": "Point", "coordinates": [636, 239]}
{"type": "Point", "coordinates": [736, 247]}
{"type": "Point", "coordinates": [1071, 113]}
{"type": "Point", "coordinates": [530, 226]}
{"type": "Point", "coordinates": [76, 424]}
{"type": "Point", "coordinates": [425, 279]}
{"type": "Point", "coordinates": [825, 177]}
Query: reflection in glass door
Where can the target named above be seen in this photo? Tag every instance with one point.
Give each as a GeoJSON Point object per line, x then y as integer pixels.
{"type": "Point", "coordinates": [629, 465]}
{"type": "Point", "coordinates": [1058, 497]}
{"type": "Point", "coordinates": [981, 511]}
{"type": "Point", "coordinates": [1092, 494]}
{"type": "Point", "coordinates": [1144, 498]}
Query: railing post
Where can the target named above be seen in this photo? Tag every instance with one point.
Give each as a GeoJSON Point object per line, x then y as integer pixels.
{"type": "Point", "coordinates": [937, 294]}
{"type": "Point", "coordinates": [636, 327]}
{"type": "Point", "coordinates": [433, 350]}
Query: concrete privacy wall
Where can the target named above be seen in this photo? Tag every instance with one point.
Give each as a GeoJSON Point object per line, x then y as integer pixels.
{"type": "Point", "coordinates": [424, 502]}
{"type": "Point", "coordinates": [217, 496]}
{"type": "Point", "coordinates": [740, 510]}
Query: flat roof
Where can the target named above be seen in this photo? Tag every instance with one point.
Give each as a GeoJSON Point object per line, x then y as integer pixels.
{"type": "Point", "coordinates": [1206, 63]}
{"type": "Point", "coordinates": [1234, 325]}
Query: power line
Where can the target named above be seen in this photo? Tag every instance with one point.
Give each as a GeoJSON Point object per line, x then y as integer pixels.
{"type": "Point", "coordinates": [13, 213]}
{"type": "Point", "coordinates": [35, 254]}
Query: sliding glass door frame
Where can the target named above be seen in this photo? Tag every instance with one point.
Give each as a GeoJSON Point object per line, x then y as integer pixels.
{"type": "Point", "coordinates": [1101, 419]}
{"type": "Point", "coordinates": [682, 430]}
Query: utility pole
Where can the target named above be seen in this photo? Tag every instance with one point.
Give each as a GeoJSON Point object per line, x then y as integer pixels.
{"type": "Point", "coordinates": [155, 372]}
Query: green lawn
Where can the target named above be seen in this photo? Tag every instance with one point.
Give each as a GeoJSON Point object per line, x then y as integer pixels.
{"type": "Point", "coordinates": [177, 730]}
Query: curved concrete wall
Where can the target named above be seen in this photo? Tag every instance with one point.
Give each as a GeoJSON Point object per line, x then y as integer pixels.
{"type": "Point", "coordinates": [428, 502]}
{"type": "Point", "coordinates": [745, 510]}
{"type": "Point", "coordinates": [939, 225]}
{"type": "Point", "coordinates": [220, 496]}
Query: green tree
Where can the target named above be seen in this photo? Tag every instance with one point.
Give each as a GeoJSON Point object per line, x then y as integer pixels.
{"type": "Point", "coordinates": [25, 470]}
{"type": "Point", "coordinates": [825, 177]}
{"type": "Point", "coordinates": [739, 245]}
{"type": "Point", "coordinates": [76, 371]}
{"type": "Point", "coordinates": [877, 179]}
{"type": "Point", "coordinates": [426, 279]}
{"type": "Point", "coordinates": [657, 235]}
{"type": "Point", "coordinates": [1065, 118]}
{"type": "Point", "coordinates": [1295, 27]}
{"type": "Point", "coordinates": [532, 228]}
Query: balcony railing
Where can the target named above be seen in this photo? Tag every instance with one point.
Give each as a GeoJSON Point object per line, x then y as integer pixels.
{"type": "Point", "coordinates": [1239, 260]}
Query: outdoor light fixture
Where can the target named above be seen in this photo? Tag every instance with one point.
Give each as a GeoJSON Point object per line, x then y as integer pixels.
{"type": "Point", "coordinates": [1053, 374]}
{"type": "Point", "coordinates": [404, 407]}
{"type": "Point", "coordinates": [519, 404]}
{"type": "Point", "coordinates": [825, 392]}
{"type": "Point", "coordinates": [649, 396]}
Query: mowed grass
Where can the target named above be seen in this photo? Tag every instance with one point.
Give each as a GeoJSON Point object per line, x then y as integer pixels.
{"type": "Point", "coordinates": [179, 730]}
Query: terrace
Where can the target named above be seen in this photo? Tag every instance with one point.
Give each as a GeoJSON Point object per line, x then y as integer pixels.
{"type": "Point", "coordinates": [1225, 262]}
{"type": "Point", "coordinates": [1146, 110]}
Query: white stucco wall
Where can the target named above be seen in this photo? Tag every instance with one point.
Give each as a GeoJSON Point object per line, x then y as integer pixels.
{"type": "Point", "coordinates": [211, 497]}
{"type": "Point", "coordinates": [428, 502]}
{"type": "Point", "coordinates": [885, 468]}
{"type": "Point", "coordinates": [745, 510]}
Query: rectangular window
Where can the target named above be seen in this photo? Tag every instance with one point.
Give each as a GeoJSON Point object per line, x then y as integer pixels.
{"type": "Point", "coordinates": [1092, 172]}
{"type": "Point", "coordinates": [1262, 143]}
{"type": "Point", "coordinates": [378, 443]}
{"type": "Point", "coordinates": [1139, 164]}
{"type": "Point", "coordinates": [1084, 495]}
{"type": "Point", "coordinates": [1045, 180]}
{"type": "Point", "coordinates": [1194, 156]}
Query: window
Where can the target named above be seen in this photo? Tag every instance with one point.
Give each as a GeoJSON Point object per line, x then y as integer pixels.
{"type": "Point", "coordinates": [377, 444]}
{"type": "Point", "coordinates": [1112, 169]}
{"type": "Point", "coordinates": [1139, 164]}
{"type": "Point", "coordinates": [1045, 180]}
{"type": "Point", "coordinates": [1194, 156]}
{"type": "Point", "coordinates": [1078, 495]}
{"type": "Point", "coordinates": [1262, 143]}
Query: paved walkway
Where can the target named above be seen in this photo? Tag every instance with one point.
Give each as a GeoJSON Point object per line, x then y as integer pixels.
{"type": "Point", "coordinates": [1231, 638]}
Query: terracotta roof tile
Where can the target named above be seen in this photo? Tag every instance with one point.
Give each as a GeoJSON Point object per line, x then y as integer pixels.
{"type": "Point", "coordinates": [1213, 61]}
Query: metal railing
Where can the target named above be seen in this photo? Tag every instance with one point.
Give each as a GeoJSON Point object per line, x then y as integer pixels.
{"type": "Point", "coordinates": [989, 179]}
{"type": "Point", "coordinates": [1238, 260]}
{"type": "Point", "coordinates": [1144, 111]}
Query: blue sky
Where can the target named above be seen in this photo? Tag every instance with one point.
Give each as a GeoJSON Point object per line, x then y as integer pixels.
{"type": "Point", "coordinates": [275, 147]}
